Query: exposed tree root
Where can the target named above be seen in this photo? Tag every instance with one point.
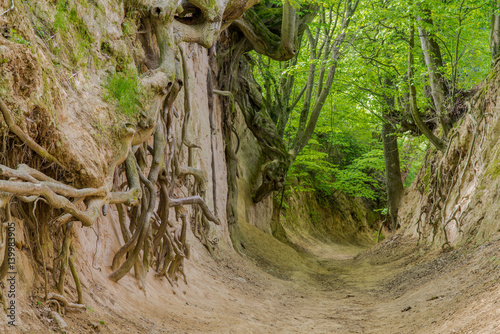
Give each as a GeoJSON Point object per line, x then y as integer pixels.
{"type": "Point", "coordinates": [25, 138]}
{"type": "Point", "coordinates": [441, 187]}
{"type": "Point", "coordinates": [63, 258]}
{"type": "Point", "coordinates": [74, 272]}
{"type": "Point", "coordinates": [174, 202]}
{"type": "Point", "coordinates": [5, 262]}
{"type": "Point", "coordinates": [39, 245]}
{"type": "Point", "coordinates": [64, 303]}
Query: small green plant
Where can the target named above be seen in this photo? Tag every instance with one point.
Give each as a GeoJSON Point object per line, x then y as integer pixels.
{"type": "Point", "coordinates": [60, 19]}
{"type": "Point", "coordinates": [72, 28]}
{"type": "Point", "coordinates": [315, 217]}
{"type": "Point", "coordinates": [128, 27]}
{"type": "Point", "coordinates": [378, 237]}
{"type": "Point", "coordinates": [124, 89]}
{"type": "Point", "coordinates": [18, 38]}
{"type": "Point", "coordinates": [382, 211]}
{"type": "Point", "coordinates": [100, 128]}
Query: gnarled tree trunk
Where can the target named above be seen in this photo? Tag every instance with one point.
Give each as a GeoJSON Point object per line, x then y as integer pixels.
{"type": "Point", "coordinates": [495, 33]}
{"type": "Point", "coordinates": [434, 62]}
{"type": "Point", "coordinates": [394, 184]}
{"type": "Point", "coordinates": [393, 179]}
{"type": "Point", "coordinates": [437, 142]}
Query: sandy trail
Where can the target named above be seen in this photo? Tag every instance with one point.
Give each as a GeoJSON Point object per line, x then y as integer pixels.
{"type": "Point", "coordinates": [327, 288]}
{"type": "Point", "coordinates": [394, 287]}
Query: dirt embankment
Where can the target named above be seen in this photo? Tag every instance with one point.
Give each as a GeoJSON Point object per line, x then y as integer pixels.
{"type": "Point", "coordinates": [454, 198]}
{"type": "Point", "coordinates": [309, 220]}
{"type": "Point", "coordinates": [394, 287]}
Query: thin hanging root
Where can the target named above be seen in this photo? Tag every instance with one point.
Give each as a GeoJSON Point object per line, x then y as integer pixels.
{"type": "Point", "coordinates": [25, 138]}
{"type": "Point", "coordinates": [195, 200]}
{"type": "Point", "coordinates": [68, 292]}
{"type": "Point", "coordinates": [210, 93]}
{"type": "Point", "coordinates": [121, 218]}
{"type": "Point", "coordinates": [187, 98]}
{"type": "Point", "coordinates": [167, 257]}
{"type": "Point", "coordinates": [4, 268]}
{"type": "Point", "coordinates": [183, 249]}
{"type": "Point", "coordinates": [143, 232]}
{"type": "Point", "coordinates": [63, 258]}
{"type": "Point", "coordinates": [462, 215]}
{"type": "Point", "coordinates": [380, 228]}
{"type": "Point", "coordinates": [204, 228]}
{"type": "Point", "coordinates": [76, 278]}
{"type": "Point", "coordinates": [164, 213]}
{"type": "Point", "coordinates": [140, 275]}
{"type": "Point", "coordinates": [41, 250]}
{"type": "Point", "coordinates": [147, 252]}
{"type": "Point", "coordinates": [124, 249]}
{"type": "Point", "coordinates": [158, 151]}
{"type": "Point", "coordinates": [228, 94]}
{"type": "Point", "coordinates": [181, 269]}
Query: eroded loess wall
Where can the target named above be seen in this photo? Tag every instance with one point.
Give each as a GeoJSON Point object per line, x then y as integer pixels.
{"type": "Point", "coordinates": [250, 161]}
{"type": "Point", "coordinates": [310, 220]}
{"type": "Point", "coordinates": [454, 199]}
{"type": "Point", "coordinates": [58, 63]}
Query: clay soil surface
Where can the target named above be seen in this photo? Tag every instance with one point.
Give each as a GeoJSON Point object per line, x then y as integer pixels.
{"type": "Point", "coordinates": [394, 287]}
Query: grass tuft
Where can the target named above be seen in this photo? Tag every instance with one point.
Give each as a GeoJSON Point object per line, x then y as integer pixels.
{"type": "Point", "coordinates": [124, 89]}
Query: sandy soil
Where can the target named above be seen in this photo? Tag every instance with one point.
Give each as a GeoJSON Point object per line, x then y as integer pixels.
{"type": "Point", "coordinates": [394, 287]}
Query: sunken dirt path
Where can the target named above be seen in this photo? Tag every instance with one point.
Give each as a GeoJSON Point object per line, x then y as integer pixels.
{"type": "Point", "coordinates": [393, 287]}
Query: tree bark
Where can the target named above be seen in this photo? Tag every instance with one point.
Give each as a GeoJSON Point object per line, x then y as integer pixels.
{"type": "Point", "coordinates": [434, 63]}
{"type": "Point", "coordinates": [259, 25]}
{"type": "Point", "coordinates": [495, 33]}
{"type": "Point", "coordinates": [394, 183]}
{"type": "Point", "coordinates": [437, 142]}
{"type": "Point", "coordinates": [259, 122]}
{"type": "Point", "coordinates": [226, 80]}
{"type": "Point", "coordinates": [277, 158]}
{"type": "Point", "coordinates": [393, 178]}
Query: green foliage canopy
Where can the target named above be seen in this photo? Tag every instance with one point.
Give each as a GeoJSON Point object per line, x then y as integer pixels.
{"type": "Point", "coordinates": [345, 151]}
